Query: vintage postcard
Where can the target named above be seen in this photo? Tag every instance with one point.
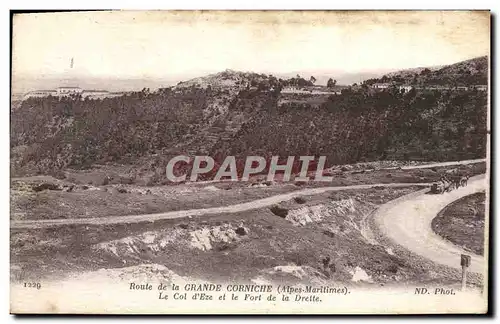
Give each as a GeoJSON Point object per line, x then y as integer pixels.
{"type": "Point", "coordinates": [250, 162]}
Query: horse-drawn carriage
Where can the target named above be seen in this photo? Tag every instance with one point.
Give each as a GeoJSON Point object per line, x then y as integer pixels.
{"type": "Point", "coordinates": [449, 182]}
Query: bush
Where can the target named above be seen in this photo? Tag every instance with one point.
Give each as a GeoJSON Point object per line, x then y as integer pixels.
{"type": "Point", "coordinates": [392, 268]}
{"type": "Point", "coordinates": [329, 233]}
{"type": "Point", "coordinates": [299, 259]}
{"type": "Point", "coordinates": [278, 211]}
{"type": "Point", "coordinates": [299, 200]}
{"type": "Point", "coordinates": [241, 231]}
{"type": "Point", "coordinates": [46, 186]}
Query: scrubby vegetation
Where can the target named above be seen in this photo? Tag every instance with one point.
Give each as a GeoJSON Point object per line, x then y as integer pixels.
{"type": "Point", "coordinates": [235, 113]}
{"type": "Point", "coordinates": [361, 126]}
{"type": "Point", "coordinates": [279, 211]}
{"type": "Point", "coordinates": [466, 73]}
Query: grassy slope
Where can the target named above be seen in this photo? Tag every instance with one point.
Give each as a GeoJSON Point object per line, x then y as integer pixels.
{"type": "Point", "coordinates": [462, 223]}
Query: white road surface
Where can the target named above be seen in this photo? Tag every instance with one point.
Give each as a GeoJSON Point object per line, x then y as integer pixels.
{"type": "Point", "coordinates": [407, 221]}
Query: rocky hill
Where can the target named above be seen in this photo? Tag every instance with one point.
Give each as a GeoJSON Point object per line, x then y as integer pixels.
{"type": "Point", "coordinates": [226, 79]}
{"type": "Point", "coordinates": [465, 73]}
{"type": "Point", "coordinates": [240, 113]}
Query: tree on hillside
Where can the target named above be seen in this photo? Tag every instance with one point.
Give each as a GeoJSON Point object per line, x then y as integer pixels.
{"type": "Point", "coordinates": [425, 71]}
{"type": "Point", "coordinates": [331, 83]}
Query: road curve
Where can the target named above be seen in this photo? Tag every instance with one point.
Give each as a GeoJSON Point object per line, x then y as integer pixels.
{"type": "Point", "coordinates": [407, 222]}
{"type": "Point", "coordinates": [255, 204]}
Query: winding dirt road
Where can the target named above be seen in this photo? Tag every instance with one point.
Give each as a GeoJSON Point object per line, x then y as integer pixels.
{"type": "Point", "coordinates": [255, 204]}
{"type": "Point", "coordinates": [407, 222]}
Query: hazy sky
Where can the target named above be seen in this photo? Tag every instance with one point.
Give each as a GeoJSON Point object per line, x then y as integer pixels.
{"type": "Point", "coordinates": [164, 44]}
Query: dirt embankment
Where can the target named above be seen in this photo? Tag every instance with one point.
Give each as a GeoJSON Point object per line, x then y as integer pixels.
{"type": "Point", "coordinates": [462, 222]}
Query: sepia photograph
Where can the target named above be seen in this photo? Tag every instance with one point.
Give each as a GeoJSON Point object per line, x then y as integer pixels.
{"type": "Point", "coordinates": [250, 162]}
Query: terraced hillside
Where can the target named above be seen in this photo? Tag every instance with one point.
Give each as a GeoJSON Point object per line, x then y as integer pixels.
{"type": "Point", "coordinates": [239, 113]}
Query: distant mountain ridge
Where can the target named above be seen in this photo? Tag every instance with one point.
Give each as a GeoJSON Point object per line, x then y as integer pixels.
{"type": "Point", "coordinates": [227, 78]}
{"type": "Point", "coordinates": [466, 73]}
{"type": "Point", "coordinates": [477, 67]}
{"type": "Point", "coordinates": [22, 85]}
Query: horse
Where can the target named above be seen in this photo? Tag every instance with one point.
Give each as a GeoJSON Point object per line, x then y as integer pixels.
{"type": "Point", "coordinates": [463, 180]}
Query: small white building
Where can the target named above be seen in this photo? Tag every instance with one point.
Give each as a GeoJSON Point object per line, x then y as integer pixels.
{"type": "Point", "coordinates": [95, 93]}
{"type": "Point", "coordinates": [100, 94]}
{"type": "Point", "coordinates": [437, 87]}
{"type": "Point", "coordinates": [40, 94]}
{"type": "Point", "coordinates": [66, 91]}
{"type": "Point", "coordinates": [318, 90]}
{"type": "Point", "coordinates": [480, 87]}
{"type": "Point", "coordinates": [381, 85]}
{"type": "Point", "coordinates": [405, 88]}
{"type": "Point", "coordinates": [294, 89]}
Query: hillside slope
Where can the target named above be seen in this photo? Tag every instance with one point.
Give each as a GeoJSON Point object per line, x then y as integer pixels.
{"type": "Point", "coordinates": [237, 113]}
{"type": "Point", "coordinates": [465, 73]}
